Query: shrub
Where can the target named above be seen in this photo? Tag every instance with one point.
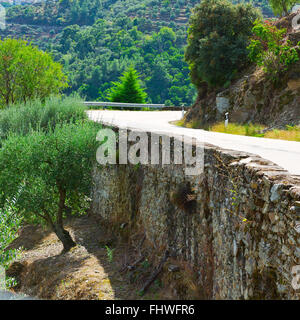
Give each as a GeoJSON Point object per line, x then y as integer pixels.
{"type": "Point", "coordinates": [218, 36]}
{"type": "Point", "coordinates": [51, 172]}
{"type": "Point", "coordinates": [21, 118]}
{"type": "Point", "coordinates": [270, 50]}
{"type": "Point", "coordinates": [10, 223]}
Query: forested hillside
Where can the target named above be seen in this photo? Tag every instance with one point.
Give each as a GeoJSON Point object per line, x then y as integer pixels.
{"type": "Point", "coordinates": [96, 40]}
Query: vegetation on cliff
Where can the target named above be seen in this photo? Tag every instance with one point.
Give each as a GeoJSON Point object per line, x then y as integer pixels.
{"type": "Point", "coordinates": [271, 50]}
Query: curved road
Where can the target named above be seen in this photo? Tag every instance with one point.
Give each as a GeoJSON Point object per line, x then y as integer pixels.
{"type": "Point", "coordinates": [284, 153]}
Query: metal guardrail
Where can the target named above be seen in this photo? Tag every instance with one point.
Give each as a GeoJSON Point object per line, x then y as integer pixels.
{"type": "Point", "coordinates": [123, 105]}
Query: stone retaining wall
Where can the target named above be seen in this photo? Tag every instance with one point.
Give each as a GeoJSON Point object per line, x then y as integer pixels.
{"type": "Point", "coordinates": [236, 224]}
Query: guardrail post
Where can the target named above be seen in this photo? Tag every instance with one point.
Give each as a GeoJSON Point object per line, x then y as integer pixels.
{"type": "Point", "coordinates": [226, 119]}
{"type": "Point", "coordinates": [182, 111]}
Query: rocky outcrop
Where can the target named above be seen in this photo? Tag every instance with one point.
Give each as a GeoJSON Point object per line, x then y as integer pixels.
{"type": "Point", "coordinates": [239, 235]}
{"type": "Point", "coordinates": [254, 98]}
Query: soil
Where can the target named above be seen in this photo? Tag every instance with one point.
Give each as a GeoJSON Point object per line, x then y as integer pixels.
{"type": "Point", "coordinates": [86, 272]}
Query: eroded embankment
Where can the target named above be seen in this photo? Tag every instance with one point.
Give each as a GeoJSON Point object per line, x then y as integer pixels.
{"type": "Point", "coordinates": [87, 272]}
{"type": "Point", "coordinates": [229, 233]}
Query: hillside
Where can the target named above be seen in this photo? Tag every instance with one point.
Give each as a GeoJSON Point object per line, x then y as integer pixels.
{"type": "Point", "coordinates": [254, 97]}
{"type": "Point", "coordinates": [96, 40]}
{"type": "Point", "coordinates": [66, 12]}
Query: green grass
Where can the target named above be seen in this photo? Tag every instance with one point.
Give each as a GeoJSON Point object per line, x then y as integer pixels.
{"type": "Point", "coordinates": [192, 124]}
{"type": "Point", "coordinates": [291, 133]}
{"type": "Point", "coordinates": [251, 130]}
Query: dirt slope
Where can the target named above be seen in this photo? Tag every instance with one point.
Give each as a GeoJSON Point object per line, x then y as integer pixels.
{"type": "Point", "coordinates": [86, 272]}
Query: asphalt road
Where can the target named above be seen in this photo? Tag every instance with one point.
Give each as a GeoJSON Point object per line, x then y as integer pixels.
{"type": "Point", "coordinates": [284, 153]}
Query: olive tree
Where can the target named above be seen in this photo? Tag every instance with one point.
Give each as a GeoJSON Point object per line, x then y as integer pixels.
{"type": "Point", "coordinates": [27, 73]}
{"type": "Point", "coordinates": [51, 173]}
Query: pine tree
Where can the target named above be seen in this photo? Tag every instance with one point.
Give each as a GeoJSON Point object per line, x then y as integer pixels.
{"type": "Point", "coordinates": [128, 90]}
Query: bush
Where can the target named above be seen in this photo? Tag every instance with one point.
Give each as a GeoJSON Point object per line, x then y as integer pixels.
{"type": "Point", "coordinates": [269, 49]}
{"type": "Point", "coordinates": [9, 225]}
{"type": "Point", "coordinates": [218, 36]}
{"type": "Point", "coordinates": [51, 173]}
{"type": "Point", "coordinates": [21, 118]}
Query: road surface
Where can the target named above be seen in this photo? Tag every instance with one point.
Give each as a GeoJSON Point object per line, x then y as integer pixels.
{"type": "Point", "coordinates": [284, 153]}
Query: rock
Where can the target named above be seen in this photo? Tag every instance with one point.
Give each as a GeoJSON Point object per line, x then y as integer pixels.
{"type": "Point", "coordinates": [286, 250]}
{"type": "Point", "coordinates": [297, 226]}
{"type": "Point", "coordinates": [294, 84]}
{"type": "Point", "coordinates": [254, 185]}
{"type": "Point", "coordinates": [297, 252]}
{"type": "Point", "coordinates": [291, 240]}
{"type": "Point", "coordinates": [281, 288]}
{"type": "Point", "coordinates": [295, 193]}
{"type": "Point", "coordinates": [249, 267]}
{"type": "Point", "coordinates": [272, 217]}
{"type": "Point", "coordinates": [275, 196]}
{"type": "Point", "coordinates": [173, 268]}
{"type": "Point", "coordinates": [295, 210]}
{"type": "Point", "coordinates": [235, 248]}
{"type": "Point", "coordinates": [297, 204]}
{"type": "Point", "coordinates": [222, 104]}
{"type": "Point", "coordinates": [281, 226]}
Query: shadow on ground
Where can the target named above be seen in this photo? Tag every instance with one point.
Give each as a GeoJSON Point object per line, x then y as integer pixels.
{"type": "Point", "coordinates": [89, 271]}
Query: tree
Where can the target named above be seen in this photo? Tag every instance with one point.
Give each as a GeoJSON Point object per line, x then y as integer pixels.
{"type": "Point", "coordinates": [159, 82]}
{"type": "Point", "coordinates": [218, 36]}
{"type": "Point", "coordinates": [128, 89]}
{"type": "Point", "coordinates": [27, 73]}
{"type": "Point", "coordinates": [50, 173]}
{"type": "Point", "coordinates": [282, 7]}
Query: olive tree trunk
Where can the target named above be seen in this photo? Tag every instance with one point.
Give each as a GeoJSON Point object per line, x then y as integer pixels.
{"type": "Point", "coordinates": [65, 237]}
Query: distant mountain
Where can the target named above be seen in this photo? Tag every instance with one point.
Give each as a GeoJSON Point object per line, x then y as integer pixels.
{"type": "Point", "coordinates": [86, 12]}
{"type": "Point", "coordinates": [96, 40]}
{"type": "Point", "coordinates": [19, 2]}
